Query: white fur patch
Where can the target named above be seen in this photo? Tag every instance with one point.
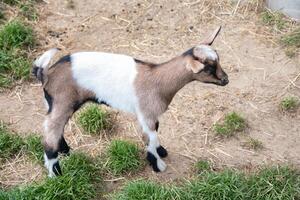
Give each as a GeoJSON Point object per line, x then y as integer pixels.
{"type": "Point", "coordinates": [49, 165]}
{"type": "Point", "coordinates": [208, 52]}
{"type": "Point", "coordinates": [153, 142]}
{"type": "Point", "coordinates": [44, 60]}
{"type": "Point", "coordinates": [46, 104]}
{"type": "Point", "coordinates": [109, 76]}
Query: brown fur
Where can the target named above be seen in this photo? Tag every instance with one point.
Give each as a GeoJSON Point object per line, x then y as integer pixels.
{"type": "Point", "coordinates": [156, 86]}
{"type": "Point", "coordinates": [66, 96]}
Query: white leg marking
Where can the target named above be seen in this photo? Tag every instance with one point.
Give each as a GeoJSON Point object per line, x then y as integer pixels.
{"type": "Point", "coordinates": [153, 144]}
{"type": "Point", "coordinates": [49, 165]}
{"type": "Point", "coordinates": [46, 104]}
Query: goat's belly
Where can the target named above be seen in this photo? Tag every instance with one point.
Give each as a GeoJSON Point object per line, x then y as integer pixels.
{"type": "Point", "coordinates": [120, 102]}
{"type": "Point", "coordinates": [110, 76]}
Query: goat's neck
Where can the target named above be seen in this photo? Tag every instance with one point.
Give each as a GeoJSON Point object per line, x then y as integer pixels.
{"type": "Point", "coordinates": [173, 76]}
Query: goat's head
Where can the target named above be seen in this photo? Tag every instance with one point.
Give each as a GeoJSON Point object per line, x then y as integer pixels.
{"type": "Point", "coordinates": [204, 62]}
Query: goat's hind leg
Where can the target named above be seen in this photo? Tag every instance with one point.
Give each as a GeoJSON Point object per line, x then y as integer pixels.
{"type": "Point", "coordinates": [54, 141]}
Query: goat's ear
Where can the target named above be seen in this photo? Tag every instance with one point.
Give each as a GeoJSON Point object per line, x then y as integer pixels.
{"type": "Point", "coordinates": [209, 40]}
{"type": "Point", "coordinates": [194, 66]}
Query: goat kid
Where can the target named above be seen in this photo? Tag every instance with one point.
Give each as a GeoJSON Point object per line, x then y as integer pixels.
{"type": "Point", "coordinates": [122, 82]}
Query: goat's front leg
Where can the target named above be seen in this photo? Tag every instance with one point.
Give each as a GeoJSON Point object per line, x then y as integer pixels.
{"type": "Point", "coordinates": [54, 141]}
{"type": "Point", "coordinates": [162, 152]}
{"type": "Point", "coordinates": [154, 150]}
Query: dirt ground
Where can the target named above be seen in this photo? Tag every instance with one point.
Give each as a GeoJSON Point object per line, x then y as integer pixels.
{"type": "Point", "coordinates": [259, 72]}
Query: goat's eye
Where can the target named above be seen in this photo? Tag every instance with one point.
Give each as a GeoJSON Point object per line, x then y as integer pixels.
{"type": "Point", "coordinates": [210, 69]}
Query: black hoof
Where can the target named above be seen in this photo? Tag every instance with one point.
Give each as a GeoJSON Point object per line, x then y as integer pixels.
{"type": "Point", "coordinates": [153, 161]}
{"type": "Point", "coordinates": [162, 152]}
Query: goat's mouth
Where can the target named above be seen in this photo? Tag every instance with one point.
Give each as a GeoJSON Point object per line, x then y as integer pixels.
{"type": "Point", "coordinates": [220, 82]}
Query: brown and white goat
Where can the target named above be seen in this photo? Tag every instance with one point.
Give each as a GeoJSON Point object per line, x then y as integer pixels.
{"type": "Point", "coordinates": [122, 82]}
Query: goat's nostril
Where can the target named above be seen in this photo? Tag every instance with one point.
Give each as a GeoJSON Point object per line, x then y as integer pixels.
{"type": "Point", "coordinates": [224, 80]}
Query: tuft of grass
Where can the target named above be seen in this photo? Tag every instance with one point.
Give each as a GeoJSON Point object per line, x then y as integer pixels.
{"type": "Point", "coordinates": [254, 144]}
{"type": "Point", "coordinates": [10, 144]}
{"type": "Point", "coordinates": [15, 34]}
{"type": "Point", "coordinates": [123, 156]}
{"type": "Point", "coordinates": [292, 39]}
{"type": "Point", "coordinates": [34, 147]}
{"type": "Point", "coordinates": [93, 119]}
{"type": "Point", "coordinates": [274, 183]}
{"type": "Point", "coordinates": [77, 183]}
{"type": "Point", "coordinates": [224, 185]}
{"type": "Point", "coordinates": [289, 103]}
{"type": "Point", "coordinates": [13, 66]}
{"type": "Point", "coordinates": [142, 189]}
{"type": "Point", "coordinates": [202, 166]}
{"type": "Point", "coordinates": [292, 42]}
{"type": "Point", "coordinates": [28, 10]}
{"type": "Point", "coordinates": [233, 122]}
{"type": "Point", "coordinates": [274, 19]}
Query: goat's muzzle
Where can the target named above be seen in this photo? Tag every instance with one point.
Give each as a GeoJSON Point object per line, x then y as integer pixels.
{"type": "Point", "coordinates": [224, 81]}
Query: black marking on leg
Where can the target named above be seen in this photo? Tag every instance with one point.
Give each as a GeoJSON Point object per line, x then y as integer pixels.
{"type": "Point", "coordinates": [153, 161]}
{"type": "Point", "coordinates": [156, 126]}
{"type": "Point", "coordinates": [63, 146]}
{"type": "Point", "coordinates": [162, 152]}
{"type": "Point", "coordinates": [51, 154]}
{"type": "Point", "coordinates": [49, 100]}
{"type": "Point", "coordinates": [56, 169]}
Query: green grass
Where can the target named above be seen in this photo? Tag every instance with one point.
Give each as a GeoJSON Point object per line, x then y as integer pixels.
{"type": "Point", "coordinates": [254, 144]}
{"type": "Point", "coordinates": [13, 66]}
{"type": "Point", "coordinates": [79, 182]}
{"type": "Point", "coordinates": [142, 190]}
{"type": "Point", "coordinates": [289, 103]}
{"type": "Point", "coordinates": [274, 19]}
{"type": "Point", "coordinates": [224, 185]}
{"type": "Point", "coordinates": [123, 156]}
{"type": "Point", "coordinates": [26, 7]}
{"type": "Point", "coordinates": [34, 147]}
{"type": "Point", "coordinates": [10, 144]}
{"type": "Point", "coordinates": [274, 183]}
{"type": "Point", "coordinates": [16, 34]}
{"type": "Point", "coordinates": [28, 10]}
{"type": "Point", "coordinates": [292, 42]}
{"type": "Point", "coordinates": [233, 122]}
{"type": "Point", "coordinates": [93, 119]}
{"type": "Point", "coordinates": [202, 166]}
{"type": "Point", "coordinates": [292, 39]}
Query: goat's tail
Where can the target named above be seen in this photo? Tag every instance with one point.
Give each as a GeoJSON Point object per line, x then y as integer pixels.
{"type": "Point", "coordinates": [42, 62]}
